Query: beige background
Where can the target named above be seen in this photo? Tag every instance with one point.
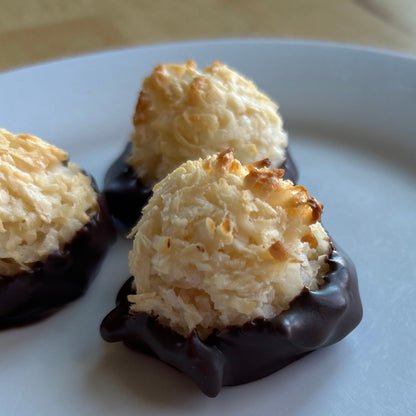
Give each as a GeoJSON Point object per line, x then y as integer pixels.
{"type": "Point", "coordinates": [37, 30]}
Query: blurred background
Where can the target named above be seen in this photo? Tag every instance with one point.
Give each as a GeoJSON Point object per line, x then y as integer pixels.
{"type": "Point", "coordinates": [33, 31]}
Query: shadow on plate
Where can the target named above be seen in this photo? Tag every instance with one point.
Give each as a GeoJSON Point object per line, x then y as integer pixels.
{"type": "Point", "coordinates": [124, 375]}
{"type": "Point", "coordinates": [125, 379]}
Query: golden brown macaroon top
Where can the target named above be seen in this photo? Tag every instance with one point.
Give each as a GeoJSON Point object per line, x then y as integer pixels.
{"type": "Point", "coordinates": [221, 244]}
{"type": "Point", "coordinates": [184, 114]}
{"type": "Point", "coordinates": [43, 201]}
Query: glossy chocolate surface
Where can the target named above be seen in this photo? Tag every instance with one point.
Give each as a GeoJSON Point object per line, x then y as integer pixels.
{"type": "Point", "coordinates": [238, 355]}
{"type": "Point", "coordinates": [62, 277]}
{"type": "Point", "coordinates": [126, 195]}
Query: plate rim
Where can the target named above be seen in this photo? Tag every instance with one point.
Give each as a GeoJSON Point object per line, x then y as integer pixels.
{"type": "Point", "coordinates": [321, 44]}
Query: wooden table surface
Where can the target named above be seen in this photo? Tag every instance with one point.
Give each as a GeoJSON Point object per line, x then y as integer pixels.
{"type": "Point", "coordinates": [33, 31]}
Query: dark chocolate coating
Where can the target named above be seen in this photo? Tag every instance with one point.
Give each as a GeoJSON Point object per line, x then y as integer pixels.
{"type": "Point", "coordinates": [126, 194]}
{"type": "Point", "coordinates": [62, 277]}
{"type": "Point", "coordinates": [237, 355]}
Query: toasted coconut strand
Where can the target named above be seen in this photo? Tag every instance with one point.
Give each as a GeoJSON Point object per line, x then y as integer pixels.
{"type": "Point", "coordinates": [311, 240]}
{"type": "Point", "coordinates": [225, 159]}
{"type": "Point", "coordinates": [265, 163]}
{"type": "Point", "coordinates": [279, 251]}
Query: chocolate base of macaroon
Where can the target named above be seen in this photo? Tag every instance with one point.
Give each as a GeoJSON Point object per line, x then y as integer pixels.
{"type": "Point", "coordinates": [126, 195]}
{"type": "Point", "coordinates": [62, 277]}
{"type": "Point", "coordinates": [237, 355]}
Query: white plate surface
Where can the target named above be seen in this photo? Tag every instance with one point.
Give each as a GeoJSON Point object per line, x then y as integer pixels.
{"type": "Point", "coordinates": [351, 117]}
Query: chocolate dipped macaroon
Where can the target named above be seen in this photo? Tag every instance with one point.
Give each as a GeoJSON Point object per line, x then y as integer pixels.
{"type": "Point", "coordinates": [234, 276]}
{"type": "Point", "coordinates": [55, 229]}
{"type": "Point", "coordinates": [183, 114]}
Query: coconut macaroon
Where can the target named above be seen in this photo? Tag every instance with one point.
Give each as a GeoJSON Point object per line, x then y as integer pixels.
{"type": "Point", "coordinates": [184, 113]}
{"type": "Point", "coordinates": [45, 202]}
{"type": "Point", "coordinates": [221, 244]}
{"type": "Point", "coordinates": [234, 276]}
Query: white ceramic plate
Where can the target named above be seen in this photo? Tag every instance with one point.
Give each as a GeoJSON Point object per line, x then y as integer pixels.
{"type": "Point", "coordinates": [351, 116]}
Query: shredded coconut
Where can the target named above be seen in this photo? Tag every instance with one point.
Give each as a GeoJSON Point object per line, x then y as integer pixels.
{"type": "Point", "coordinates": [183, 114]}
{"type": "Point", "coordinates": [221, 244]}
{"type": "Point", "coordinates": [44, 201]}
